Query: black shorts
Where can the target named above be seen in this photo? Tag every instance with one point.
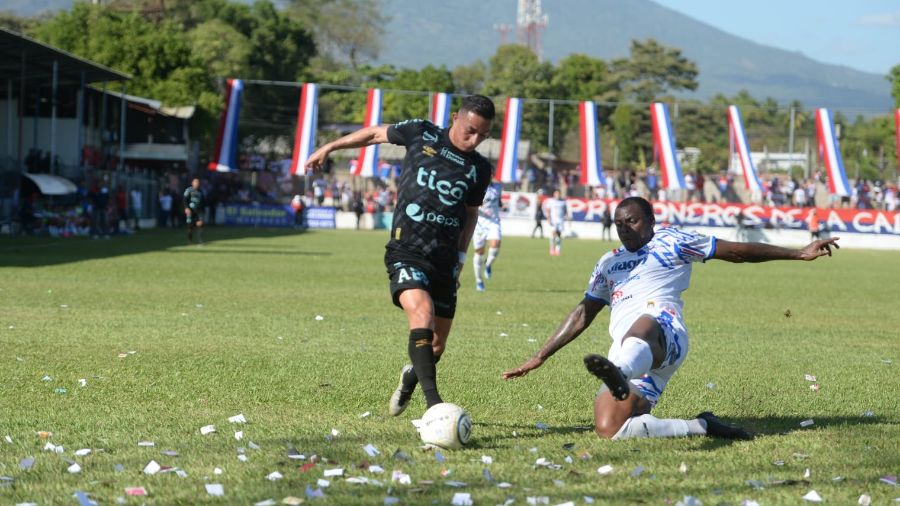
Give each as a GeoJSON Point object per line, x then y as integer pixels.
{"type": "Point", "coordinates": [193, 218]}
{"type": "Point", "coordinates": [439, 283]}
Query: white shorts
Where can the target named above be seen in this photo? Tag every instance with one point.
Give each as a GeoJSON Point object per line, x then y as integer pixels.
{"type": "Point", "coordinates": [486, 230]}
{"type": "Point", "coordinates": [558, 227]}
{"type": "Point", "coordinates": [650, 386]}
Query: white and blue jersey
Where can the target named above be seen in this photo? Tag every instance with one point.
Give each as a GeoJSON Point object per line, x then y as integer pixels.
{"type": "Point", "coordinates": [649, 282]}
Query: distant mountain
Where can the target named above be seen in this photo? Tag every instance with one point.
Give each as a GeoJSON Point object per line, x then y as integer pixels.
{"type": "Point", "coordinates": [423, 32]}
{"type": "Point", "coordinates": [441, 32]}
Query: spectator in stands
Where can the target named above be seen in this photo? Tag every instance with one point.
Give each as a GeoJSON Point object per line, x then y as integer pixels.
{"type": "Point", "coordinates": [813, 221]}
{"type": "Point", "coordinates": [121, 212]}
{"type": "Point", "coordinates": [690, 186]}
{"type": "Point", "coordinates": [652, 183]}
{"type": "Point", "coordinates": [164, 216]}
{"type": "Point", "coordinates": [799, 196]}
{"type": "Point", "coordinates": [99, 203]}
{"type": "Point", "coordinates": [137, 205]}
{"type": "Point", "coordinates": [359, 207]}
{"type": "Point", "coordinates": [607, 224]}
{"type": "Point", "coordinates": [538, 216]}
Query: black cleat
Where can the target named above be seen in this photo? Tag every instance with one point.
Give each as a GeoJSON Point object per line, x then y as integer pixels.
{"type": "Point", "coordinates": [718, 428]}
{"type": "Point", "coordinates": [609, 374]}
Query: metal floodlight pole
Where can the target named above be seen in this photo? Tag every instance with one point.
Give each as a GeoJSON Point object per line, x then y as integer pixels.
{"type": "Point", "coordinates": [55, 89]}
{"type": "Point", "coordinates": [9, 112]}
{"type": "Point", "coordinates": [550, 129]}
{"type": "Point", "coordinates": [79, 114]}
{"type": "Point", "coordinates": [122, 108]}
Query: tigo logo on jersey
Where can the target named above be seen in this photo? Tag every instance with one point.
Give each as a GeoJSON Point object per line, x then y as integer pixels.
{"type": "Point", "coordinates": [417, 214]}
{"type": "Point", "coordinates": [449, 193]}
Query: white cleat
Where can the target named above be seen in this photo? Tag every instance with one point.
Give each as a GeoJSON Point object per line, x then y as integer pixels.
{"type": "Point", "coordinates": [400, 399]}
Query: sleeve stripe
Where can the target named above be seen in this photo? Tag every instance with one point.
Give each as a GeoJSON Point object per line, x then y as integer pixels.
{"type": "Point", "coordinates": [587, 295]}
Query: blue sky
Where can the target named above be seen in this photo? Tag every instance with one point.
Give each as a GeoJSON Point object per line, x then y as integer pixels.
{"type": "Point", "coordinates": [862, 34]}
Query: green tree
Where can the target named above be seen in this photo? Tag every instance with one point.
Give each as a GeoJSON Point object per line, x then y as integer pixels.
{"type": "Point", "coordinates": [348, 31]}
{"type": "Point", "coordinates": [894, 78]}
{"type": "Point", "coordinates": [470, 78]}
{"type": "Point", "coordinates": [653, 70]}
{"type": "Point", "coordinates": [516, 72]}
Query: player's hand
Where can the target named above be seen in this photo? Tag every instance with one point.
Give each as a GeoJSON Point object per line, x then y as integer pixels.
{"type": "Point", "coordinates": [818, 248]}
{"type": "Point", "coordinates": [317, 159]}
{"type": "Point", "coordinates": [187, 211]}
{"type": "Point", "coordinates": [526, 367]}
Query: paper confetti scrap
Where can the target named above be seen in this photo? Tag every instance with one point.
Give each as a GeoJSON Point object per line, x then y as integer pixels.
{"type": "Point", "coordinates": [82, 452]}
{"type": "Point", "coordinates": [74, 468]}
{"type": "Point", "coordinates": [810, 377]}
{"type": "Point", "coordinates": [864, 500]}
{"type": "Point", "coordinates": [238, 435]}
{"type": "Point", "coordinates": [637, 471]}
{"type": "Point", "coordinates": [215, 489]}
{"type": "Point", "coordinates": [8, 439]}
{"type": "Point", "coordinates": [807, 423]}
{"type": "Point", "coordinates": [401, 478]}
{"type": "Point", "coordinates": [889, 480]}
{"type": "Point", "coordinates": [146, 443]}
{"type": "Point", "coordinates": [152, 467]}
{"type": "Point", "coordinates": [334, 472]}
{"type": "Point", "coordinates": [604, 470]}
{"type": "Point", "coordinates": [371, 450]}
{"type": "Point", "coordinates": [486, 459]}
{"type": "Point", "coordinates": [274, 476]}
{"type": "Point", "coordinates": [536, 501]}
{"type": "Point", "coordinates": [462, 499]}
{"type": "Point", "coordinates": [323, 483]}
{"type": "Point", "coordinates": [238, 418]}
{"type": "Point", "coordinates": [135, 491]}
{"type": "Point", "coordinates": [319, 317]}
{"type": "Point", "coordinates": [26, 463]}
{"type": "Point", "coordinates": [812, 496]}
{"type": "Point", "coordinates": [376, 469]}
{"type": "Point", "coordinates": [207, 429]}
{"type": "Point", "coordinates": [683, 468]}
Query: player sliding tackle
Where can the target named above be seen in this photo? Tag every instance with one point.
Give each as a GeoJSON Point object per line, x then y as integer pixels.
{"type": "Point", "coordinates": [642, 283]}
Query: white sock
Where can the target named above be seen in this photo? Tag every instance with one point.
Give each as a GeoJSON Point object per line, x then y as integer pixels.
{"type": "Point", "coordinates": [650, 426]}
{"type": "Point", "coordinates": [492, 255]}
{"type": "Point", "coordinates": [634, 357]}
{"type": "Point", "coordinates": [477, 264]}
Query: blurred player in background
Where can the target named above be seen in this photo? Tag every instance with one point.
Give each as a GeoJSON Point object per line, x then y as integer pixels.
{"type": "Point", "coordinates": [194, 205]}
{"type": "Point", "coordinates": [487, 231]}
{"type": "Point", "coordinates": [642, 283]}
{"type": "Point", "coordinates": [556, 217]}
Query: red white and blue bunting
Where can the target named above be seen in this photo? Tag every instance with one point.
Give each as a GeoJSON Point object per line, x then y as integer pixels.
{"type": "Point", "coordinates": [368, 156]}
{"type": "Point", "coordinates": [307, 119]}
{"type": "Point", "coordinates": [508, 162]}
{"type": "Point", "coordinates": [831, 154]}
{"type": "Point", "coordinates": [224, 158]}
{"type": "Point", "coordinates": [664, 147]}
{"type": "Point", "coordinates": [440, 109]}
{"type": "Point", "coordinates": [739, 145]}
{"type": "Point", "coordinates": [591, 164]}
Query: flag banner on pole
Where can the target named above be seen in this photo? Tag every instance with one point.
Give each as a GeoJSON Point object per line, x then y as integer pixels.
{"type": "Point", "coordinates": [739, 143]}
{"type": "Point", "coordinates": [897, 123]}
{"type": "Point", "coordinates": [591, 165]}
{"type": "Point", "coordinates": [307, 119]}
{"type": "Point", "coordinates": [509, 142]}
{"type": "Point", "coordinates": [368, 156]}
{"type": "Point", "coordinates": [664, 146]}
{"type": "Point", "coordinates": [224, 158]}
{"type": "Point", "coordinates": [831, 154]}
{"type": "Point", "coordinates": [440, 109]}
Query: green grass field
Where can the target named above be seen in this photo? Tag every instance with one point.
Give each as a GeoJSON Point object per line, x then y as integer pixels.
{"type": "Point", "coordinates": [232, 328]}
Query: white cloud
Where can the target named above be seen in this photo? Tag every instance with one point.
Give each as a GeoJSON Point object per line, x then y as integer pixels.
{"type": "Point", "coordinates": [884, 19]}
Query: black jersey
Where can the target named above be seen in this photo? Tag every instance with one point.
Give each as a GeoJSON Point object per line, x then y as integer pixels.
{"type": "Point", "coordinates": [195, 200]}
{"type": "Point", "coordinates": [436, 183]}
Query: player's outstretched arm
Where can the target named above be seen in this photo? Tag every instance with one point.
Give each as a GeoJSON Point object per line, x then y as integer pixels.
{"type": "Point", "coordinates": [578, 320]}
{"type": "Point", "coordinates": [363, 137]}
{"type": "Point", "coordinates": [738, 252]}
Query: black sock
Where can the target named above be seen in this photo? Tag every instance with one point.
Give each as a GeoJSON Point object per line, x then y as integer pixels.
{"type": "Point", "coordinates": [409, 377]}
{"type": "Point", "coordinates": [422, 357]}
{"type": "Point", "coordinates": [190, 233]}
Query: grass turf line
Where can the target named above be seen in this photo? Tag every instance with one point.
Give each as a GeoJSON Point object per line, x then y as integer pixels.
{"type": "Point", "coordinates": [231, 327]}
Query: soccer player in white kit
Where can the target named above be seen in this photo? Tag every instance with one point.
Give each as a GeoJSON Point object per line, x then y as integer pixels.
{"type": "Point", "coordinates": [642, 282]}
{"type": "Point", "coordinates": [487, 232]}
{"type": "Point", "coordinates": [556, 216]}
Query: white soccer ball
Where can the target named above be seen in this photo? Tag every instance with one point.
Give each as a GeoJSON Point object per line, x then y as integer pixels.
{"type": "Point", "coordinates": [446, 425]}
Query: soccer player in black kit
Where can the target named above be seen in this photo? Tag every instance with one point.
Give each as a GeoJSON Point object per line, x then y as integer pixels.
{"type": "Point", "coordinates": [441, 186]}
{"type": "Point", "coordinates": [194, 204]}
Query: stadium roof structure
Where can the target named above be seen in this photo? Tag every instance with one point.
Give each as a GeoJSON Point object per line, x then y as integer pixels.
{"type": "Point", "coordinates": [39, 58]}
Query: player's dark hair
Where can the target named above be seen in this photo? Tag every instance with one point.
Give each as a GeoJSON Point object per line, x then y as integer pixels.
{"type": "Point", "coordinates": [480, 105]}
{"type": "Point", "coordinates": [642, 203]}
